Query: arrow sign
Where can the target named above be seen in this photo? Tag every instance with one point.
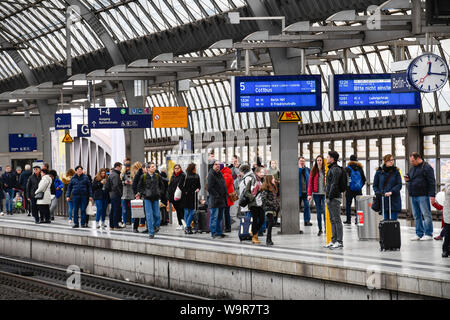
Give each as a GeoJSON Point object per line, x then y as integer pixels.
{"type": "Point", "coordinates": [63, 121]}
{"type": "Point", "coordinates": [117, 118]}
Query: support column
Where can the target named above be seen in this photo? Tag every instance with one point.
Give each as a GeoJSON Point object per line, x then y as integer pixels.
{"type": "Point", "coordinates": [47, 118]}
{"type": "Point", "coordinates": [288, 132]}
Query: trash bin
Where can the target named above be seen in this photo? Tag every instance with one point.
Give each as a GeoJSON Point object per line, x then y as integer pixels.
{"type": "Point", "coordinates": [368, 219]}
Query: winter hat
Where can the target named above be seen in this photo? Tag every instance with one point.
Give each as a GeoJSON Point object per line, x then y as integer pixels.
{"type": "Point", "coordinates": [353, 158]}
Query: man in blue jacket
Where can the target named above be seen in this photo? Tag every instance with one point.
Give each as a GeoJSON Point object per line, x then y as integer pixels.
{"type": "Point", "coordinates": [303, 178]}
{"type": "Point", "coordinates": [80, 190]}
{"type": "Point", "coordinates": [9, 182]}
{"type": "Point", "coordinates": [421, 189]}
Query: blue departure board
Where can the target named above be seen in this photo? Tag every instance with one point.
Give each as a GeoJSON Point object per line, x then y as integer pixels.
{"type": "Point", "coordinates": [277, 93]}
{"type": "Point", "coordinates": [369, 92]}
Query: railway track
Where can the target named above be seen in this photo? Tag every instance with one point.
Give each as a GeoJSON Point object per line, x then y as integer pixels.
{"type": "Point", "coordinates": [51, 281]}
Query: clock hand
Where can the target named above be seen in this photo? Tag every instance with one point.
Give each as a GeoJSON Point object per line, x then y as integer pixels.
{"type": "Point", "coordinates": [423, 79]}
{"type": "Point", "coordinates": [429, 67]}
{"type": "Point", "coordinates": [441, 74]}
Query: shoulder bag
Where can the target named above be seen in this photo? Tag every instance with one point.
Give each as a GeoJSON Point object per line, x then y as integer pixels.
{"type": "Point", "coordinates": [376, 204]}
{"type": "Point", "coordinates": [177, 195]}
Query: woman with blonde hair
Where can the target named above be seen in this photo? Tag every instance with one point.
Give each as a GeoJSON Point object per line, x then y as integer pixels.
{"type": "Point", "coordinates": [100, 196]}
{"type": "Point", "coordinates": [137, 170]}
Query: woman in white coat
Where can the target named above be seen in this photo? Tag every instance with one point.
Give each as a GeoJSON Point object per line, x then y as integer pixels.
{"type": "Point", "coordinates": [43, 203]}
{"type": "Point", "coordinates": [446, 216]}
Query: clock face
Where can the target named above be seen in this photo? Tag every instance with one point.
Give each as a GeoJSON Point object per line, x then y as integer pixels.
{"type": "Point", "coordinates": [428, 73]}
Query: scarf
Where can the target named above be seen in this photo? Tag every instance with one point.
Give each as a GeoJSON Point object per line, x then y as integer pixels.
{"type": "Point", "coordinates": [177, 174]}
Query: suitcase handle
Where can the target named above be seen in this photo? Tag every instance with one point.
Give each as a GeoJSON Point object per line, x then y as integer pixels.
{"type": "Point", "coordinates": [382, 205]}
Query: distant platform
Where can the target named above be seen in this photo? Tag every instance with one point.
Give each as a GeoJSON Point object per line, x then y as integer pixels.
{"type": "Point", "coordinates": [296, 267]}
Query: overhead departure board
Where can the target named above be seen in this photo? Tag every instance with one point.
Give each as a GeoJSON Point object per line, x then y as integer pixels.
{"type": "Point", "coordinates": [369, 92]}
{"type": "Point", "coordinates": [276, 93]}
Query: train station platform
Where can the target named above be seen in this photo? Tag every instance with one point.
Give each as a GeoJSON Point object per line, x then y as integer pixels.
{"type": "Point", "coordinates": [296, 267]}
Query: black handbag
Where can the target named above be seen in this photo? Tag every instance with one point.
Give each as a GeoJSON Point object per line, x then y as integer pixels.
{"type": "Point", "coordinates": [39, 196]}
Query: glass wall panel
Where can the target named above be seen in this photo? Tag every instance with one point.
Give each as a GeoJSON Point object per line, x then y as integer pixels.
{"type": "Point", "coordinates": [361, 148]}
{"type": "Point", "coordinates": [348, 148]}
{"type": "Point", "coordinates": [444, 144]}
{"type": "Point", "coordinates": [399, 147]}
{"type": "Point", "coordinates": [386, 146]}
{"type": "Point", "coordinates": [373, 149]}
{"type": "Point", "coordinates": [428, 146]}
{"type": "Point", "coordinates": [445, 170]}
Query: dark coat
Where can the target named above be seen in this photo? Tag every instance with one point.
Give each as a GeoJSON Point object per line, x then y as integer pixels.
{"type": "Point", "coordinates": [355, 165]}
{"type": "Point", "coordinates": [151, 187]}
{"type": "Point", "coordinates": [165, 195]}
{"type": "Point", "coordinates": [97, 190]}
{"type": "Point", "coordinates": [189, 196]}
{"type": "Point", "coordinates": [270, 201]}
{"type": "Point", "coordinates": [10, 180]}
{"type": "Point", "coordinates": [174, 182]}
{"type": "Point", "coordinates": [79, 186]}
{"type": "Point", "coordinates": [136, 180]}
{"type": "Point", "coordinates": [421, 181]}
{"type": "Point", "coordinates": [114, 185]}
{"type": "Point", "coordinates": [32, 185]}
{"type": "Point", "coordinates": [217, 190]}
{"type": "Point", "coordinates": [394, 185]}
{"type": "Point", "coordinates": [23, 179]}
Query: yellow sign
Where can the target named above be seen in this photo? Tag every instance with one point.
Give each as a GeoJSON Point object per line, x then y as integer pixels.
{"type": "Point", "coordinates": [170, 117]}
{"type": "Point", "coordinates": [289, 116]}
{"type": "Point", "coordinates": [67, 138]}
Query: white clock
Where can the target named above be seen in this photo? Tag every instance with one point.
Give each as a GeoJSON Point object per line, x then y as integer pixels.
{"type": "Point", "coordinates": [428, 73]}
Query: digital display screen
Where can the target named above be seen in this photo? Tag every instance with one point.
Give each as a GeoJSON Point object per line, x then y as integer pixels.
{"type": "Point", "coordinates": [370, 92]}
{"type": "Point", "coordinates": [277, 93]}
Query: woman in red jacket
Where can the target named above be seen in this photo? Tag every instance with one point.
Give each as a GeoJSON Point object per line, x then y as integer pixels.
{"type": "Point", "coordinates": [227, 174]}
{"type": "Point", "coordinates": [316, 189]}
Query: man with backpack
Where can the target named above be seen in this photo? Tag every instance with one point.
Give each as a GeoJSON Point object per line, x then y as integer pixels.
{"type": "Point", "coordinates": [356, 179]}
{"type": "Point", "coordinates": [336, 183]}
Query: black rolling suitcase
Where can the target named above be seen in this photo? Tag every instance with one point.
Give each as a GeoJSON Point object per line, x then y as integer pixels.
{"type": "Point", "coordinates": [201, 219]}
{"type": "Point", "coordinates": [389, 231]}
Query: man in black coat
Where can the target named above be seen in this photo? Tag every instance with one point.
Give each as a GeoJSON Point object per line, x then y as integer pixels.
{"type": "Point", "coordinates": [9, 183]}
{"type": "Point", "coordinates": [218, 193]}
{"type": "Point", "coordinates": [32, 186]}
{"type": "Point", "coordinates": [115, 188]}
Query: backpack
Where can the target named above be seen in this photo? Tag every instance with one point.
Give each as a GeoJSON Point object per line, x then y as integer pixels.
{"type": "Point", "coordinates": [243, 200]}
{"type": "Point", "coordinates": [356, 183]}
{"type": "Point", "coordinates": [343, 180]}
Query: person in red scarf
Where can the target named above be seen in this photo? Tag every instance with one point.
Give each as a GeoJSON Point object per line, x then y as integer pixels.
{"type": "Point", "coordinates": [227, 174]}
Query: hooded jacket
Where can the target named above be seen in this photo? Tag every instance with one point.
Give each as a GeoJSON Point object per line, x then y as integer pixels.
{"type": "Point", "coordinates": [355, 165]}
{"type": "Point", "coordinates": [246, 179]}
{"type": "Point", "coordinates": [151, 187]}
{"type": "Point", "coordinates": [227, 175]}
{"type": "Point", "coordinates": [44, 186]}
{"type": "Point", "coordinates": [313, 183]}
{"type": "Point", "coordinates": [332, 181]}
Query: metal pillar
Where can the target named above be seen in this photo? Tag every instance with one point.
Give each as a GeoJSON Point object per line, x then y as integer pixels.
{"type": "Point", "coordinates": [47, 117]}
{"type": "Point", "coordinates": [288, 132]}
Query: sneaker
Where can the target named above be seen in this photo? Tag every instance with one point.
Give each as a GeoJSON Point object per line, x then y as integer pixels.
{"type": "Point", "coordinates": [151, 236]}
{"type": "Point", "coordinates": [308, 224]}
{"type": "Point", "coordinates": [336, 245]}
{"type": "Point", "coordinates": [180, 228]}
{"type": "Point", "coordinates": [2, 213]}
{"type": "Point", "coordinates": [144, 231]}
{"type": "Point", "coordinates": [98, 226]}
{"type": "Point", "coordinates": [269, 243]}
{"type": "Point", "coordinates": [70, 221]}
{"type": "Point", "coordinates": [415, 238]}
{"type": "Point", "coordinates": [121, 225]}
{"type": "Point", "coordinates": [104, 225]}
{"type": "Point", "coordinates": [444, 254]}
{"type": "Point", "coordinates": [320, 233]}
{"type": "Point", "coordinates": [75, 226]}
{"type": "Point", "coordinates": [438, 238]}
{"type": "Point", "coordinates": [184, 223]}
{"type": "Point", "coordinates": [347, 222]}
{"type": "Point", "coordinates": [329, 245]}
{"type": "Point", "coordinates": [425, 238]}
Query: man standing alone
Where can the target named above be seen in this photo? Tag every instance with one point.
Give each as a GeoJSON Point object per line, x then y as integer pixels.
{"type": "Point", "coordinates": [303, 178]}
{"type": "Point", "coordinates": [421, 189]}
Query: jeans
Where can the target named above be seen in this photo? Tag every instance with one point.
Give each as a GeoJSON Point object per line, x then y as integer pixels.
{"type": "Point", "coordinates": [101, 210]}
{"type": "Point", "coordinates": [188, 217]}
{"type": "Point", "coordinates": [348, 207]}
{"type": "Point", "coordinates": [79, 203]}
{"type": "Point", "coordinates": [319, 200]}
{"type": "Point", "coordinates": [152, 214]}
{"type": "Point", "coordinates": [334, 207]}
{"type": "Point", "coordinates": [116, 211]}
{"type": "Point", "coordinates": [421, 206]}
{"type": "Point", "coordinates": [70, 210]}
{"type": "Point", "coordinates": [9, 200]}
{"type": "Point", "coordinates": [126, 210]}
{"type": "Point", "coordinates": [226, 214]}
{"type": "Point", "coordinates": [215, 221]}
{"type": "Point", "coordinates": [307, 213]}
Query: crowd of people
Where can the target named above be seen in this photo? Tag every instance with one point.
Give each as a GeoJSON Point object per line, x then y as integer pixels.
{"type": "Point", "coordinates": [254, 190]}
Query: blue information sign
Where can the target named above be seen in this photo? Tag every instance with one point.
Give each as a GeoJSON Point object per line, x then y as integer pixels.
{"type": "Point", "coordinates": [116, 118]}
{"type": "Point", "coordinates": [83, 131]}
{"type": "Point", "coordinates": [63, 121]}
{"type": "Point", "coordinates": [277, 93]}
{"type": "Point", "coordinates": [371, 92]}
{"type": "Point", "coordinates": [19, 142]}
